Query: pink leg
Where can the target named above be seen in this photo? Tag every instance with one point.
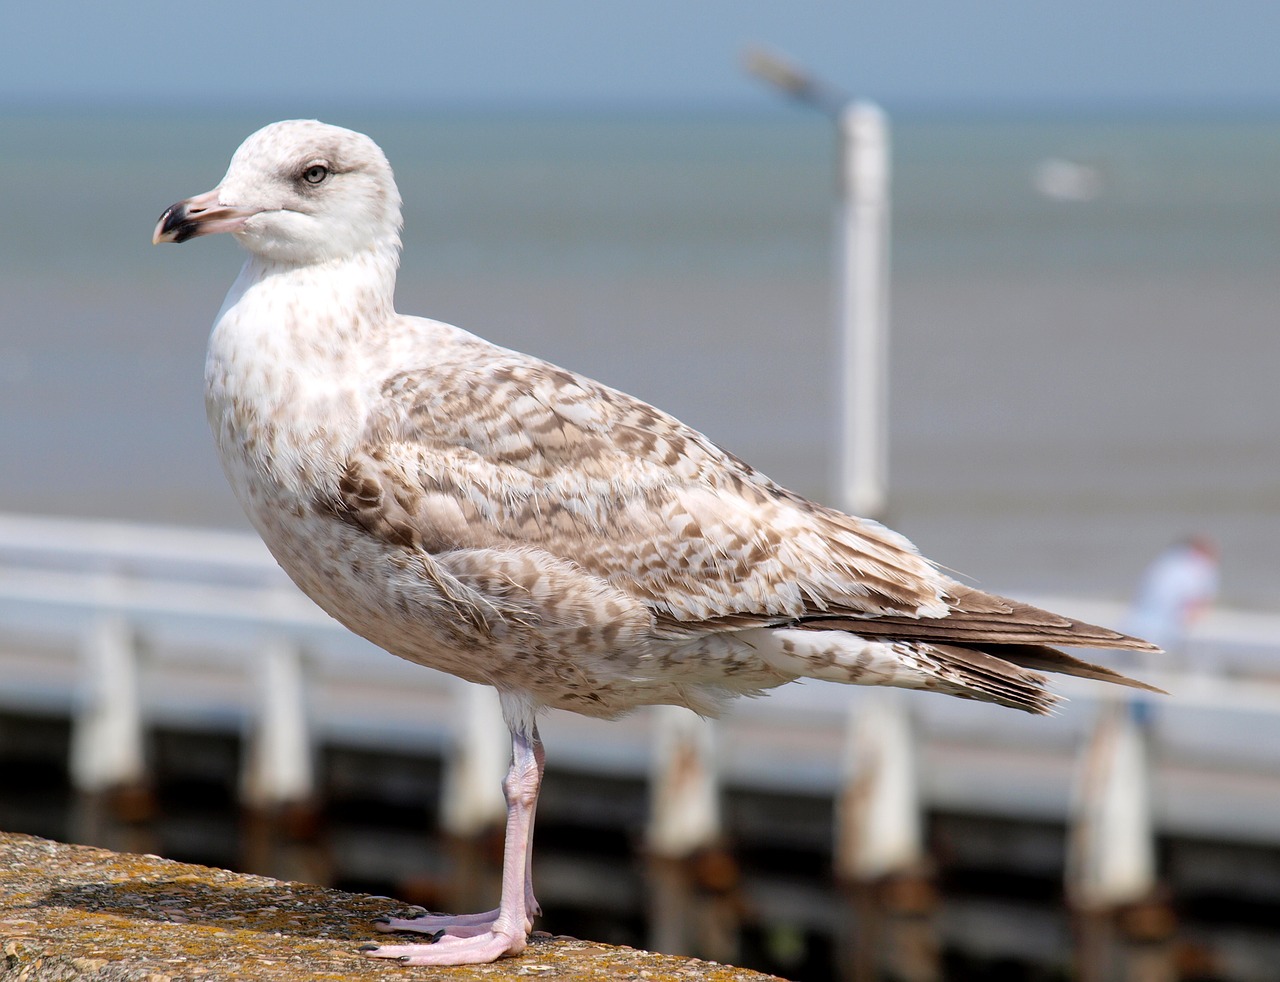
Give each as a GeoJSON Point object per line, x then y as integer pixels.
{"type": "Point", "coordinates": [475, 938]}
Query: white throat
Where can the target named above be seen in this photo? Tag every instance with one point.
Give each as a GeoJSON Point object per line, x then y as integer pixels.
{"type": "Point", "coordinates": [285, 386]}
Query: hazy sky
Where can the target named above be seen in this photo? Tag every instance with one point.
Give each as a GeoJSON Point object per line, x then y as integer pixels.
{"type": "Point", "coordinates": [934, 54]}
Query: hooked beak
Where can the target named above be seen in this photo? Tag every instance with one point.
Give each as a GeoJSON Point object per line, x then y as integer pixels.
{"type": "Point", "coordinates": [201, 215]}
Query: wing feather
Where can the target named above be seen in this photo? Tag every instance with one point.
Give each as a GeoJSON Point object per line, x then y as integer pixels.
{"type": "Point", "coordinates": [507, 451]}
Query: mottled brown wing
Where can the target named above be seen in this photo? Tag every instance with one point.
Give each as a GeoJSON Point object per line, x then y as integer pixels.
{"type": "Point", "coordinates": [508, 452]}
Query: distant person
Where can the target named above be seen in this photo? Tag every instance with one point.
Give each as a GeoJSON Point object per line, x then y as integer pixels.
{"type": "Point", "coordinates": [1176, 590]}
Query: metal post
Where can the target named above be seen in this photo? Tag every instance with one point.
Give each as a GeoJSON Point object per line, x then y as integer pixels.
{"type": "Point", "coordinates": [863, 309]}
{"type": "Point", "coordinates": [862, 282]}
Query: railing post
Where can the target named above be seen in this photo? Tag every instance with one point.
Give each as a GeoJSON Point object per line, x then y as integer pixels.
{"type": "Point", "coordinates": [114, 800]}
{"type": "Point", "coordinates": [693, 878]}
{"type": "Point", "coordinates": [277, 787]}
{"type": "Point", "coordinates": [472, 808]}
{"type": "Point", "coordinates": [1121, 915]}
{"type": "Point", "coordinates": [880, 859]}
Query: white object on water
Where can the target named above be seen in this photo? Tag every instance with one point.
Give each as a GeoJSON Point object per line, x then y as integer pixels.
{"type": "Point", "coordinates": [1067, 180]}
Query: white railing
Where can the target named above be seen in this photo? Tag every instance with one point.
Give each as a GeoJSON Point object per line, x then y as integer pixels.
{"type": "Point", "coordinates": [216, 635]}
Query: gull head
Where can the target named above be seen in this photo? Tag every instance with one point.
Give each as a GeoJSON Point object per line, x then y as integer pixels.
{"type": "Point", "coordinates": [297, 192]}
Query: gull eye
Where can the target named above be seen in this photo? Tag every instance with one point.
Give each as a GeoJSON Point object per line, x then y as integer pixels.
{"type": "Point", "coordinates": [315, 174]}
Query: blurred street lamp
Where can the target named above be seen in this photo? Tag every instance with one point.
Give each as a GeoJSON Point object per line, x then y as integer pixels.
{"type": "Point", "coordinates": [862, 280]}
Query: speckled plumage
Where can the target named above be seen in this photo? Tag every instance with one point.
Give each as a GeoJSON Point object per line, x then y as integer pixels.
{"type": "Point", "coordinates": [486, 513]}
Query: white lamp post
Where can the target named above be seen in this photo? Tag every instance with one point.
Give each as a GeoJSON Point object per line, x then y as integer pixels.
{"type": "Point", "coordinates": [862, 278]}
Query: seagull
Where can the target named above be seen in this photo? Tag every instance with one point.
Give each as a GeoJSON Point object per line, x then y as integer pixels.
{"type": "Point", "coordinates": [491, 515]}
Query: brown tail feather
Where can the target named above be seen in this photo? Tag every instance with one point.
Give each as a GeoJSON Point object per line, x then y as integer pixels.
{"type": "Point", "coordinates": [1042, 658]}
{"type": "Point", "coordinates": [984, 619]}
{"type": "Point", "coordinates": [975, 674]}
{"type": "Point", "coordinates": [1010, 674]}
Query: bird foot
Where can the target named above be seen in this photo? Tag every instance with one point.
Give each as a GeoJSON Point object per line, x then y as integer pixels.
{"type": "Point", "coordinates": [450, 949]}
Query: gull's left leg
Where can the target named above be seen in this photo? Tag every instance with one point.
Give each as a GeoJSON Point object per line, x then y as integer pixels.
{"type": "Point", "coordinates": [476, 938]}
{"type": "Point", "coordinates": [468, 925]}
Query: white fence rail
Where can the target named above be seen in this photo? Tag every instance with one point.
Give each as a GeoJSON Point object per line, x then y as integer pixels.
{"type": "Point", "coordinates": [214, 627]}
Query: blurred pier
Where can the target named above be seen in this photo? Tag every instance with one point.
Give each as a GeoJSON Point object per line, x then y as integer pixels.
{"type": "Point", "coordinates": [168, 690]}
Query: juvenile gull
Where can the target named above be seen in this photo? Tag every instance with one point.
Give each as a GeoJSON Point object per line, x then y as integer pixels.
{"type": "Point", "coordinates": [491, 515]}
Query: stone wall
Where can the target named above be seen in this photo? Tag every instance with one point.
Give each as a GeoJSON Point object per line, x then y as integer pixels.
{"type": "Point", "coordinates": [77, 913]}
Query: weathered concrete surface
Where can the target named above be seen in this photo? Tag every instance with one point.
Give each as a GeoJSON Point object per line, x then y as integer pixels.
{"type": "Point", "coordinates": [76, 913]}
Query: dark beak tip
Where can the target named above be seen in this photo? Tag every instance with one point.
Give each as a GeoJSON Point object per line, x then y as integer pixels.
{"type": "Point", "coordinates": [169, 227]}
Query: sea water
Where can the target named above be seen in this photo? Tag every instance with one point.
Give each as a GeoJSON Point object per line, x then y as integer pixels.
{"type": "Point", "coordinates": [1076, 379]}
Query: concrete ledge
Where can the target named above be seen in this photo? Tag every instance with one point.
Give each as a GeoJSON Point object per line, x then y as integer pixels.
{"type": "Point", "coordinates": [89, 915]}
